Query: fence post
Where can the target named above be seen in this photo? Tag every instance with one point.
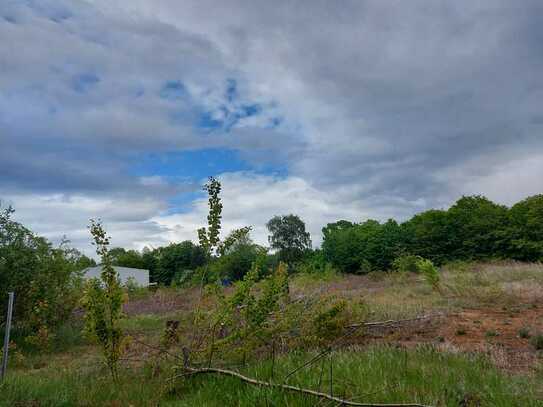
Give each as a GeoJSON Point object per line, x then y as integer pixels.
{"type": "Point", "coordinates": [6, 336]}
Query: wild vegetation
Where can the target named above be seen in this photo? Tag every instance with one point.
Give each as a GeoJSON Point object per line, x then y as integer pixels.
{"type": "Point", "coordinates": [473, 229]}
{"type": "Point", "coordinates": [443, 309]}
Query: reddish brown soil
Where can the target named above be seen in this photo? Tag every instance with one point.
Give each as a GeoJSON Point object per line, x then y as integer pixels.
{"type": "Point", "coordinates": [494, 332]}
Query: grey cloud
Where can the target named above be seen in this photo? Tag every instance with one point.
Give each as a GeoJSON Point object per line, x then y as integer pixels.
{"type": "Point", "coordinates": [405, 104]}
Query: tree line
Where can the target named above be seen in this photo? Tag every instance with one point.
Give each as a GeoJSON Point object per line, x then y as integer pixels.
{"type": "Point", "coordinates": [474, 228]}
{"type": "Point", "coordinates": [47, 280]}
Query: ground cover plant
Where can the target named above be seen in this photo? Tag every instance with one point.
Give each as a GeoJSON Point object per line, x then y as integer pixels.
{"type": "Point", "coordinates": [377, 316]}
{"type": "Point", "coordinates": [420, 361]}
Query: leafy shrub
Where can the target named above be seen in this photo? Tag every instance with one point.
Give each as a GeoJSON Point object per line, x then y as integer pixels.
{"type": "Point", "coordinates": [103, 302]}
{"type": "Point", "coordinates": [537, 341]}
{"type": "Point", "coordinates": [246, 319]}
{"type": "Point", "coordinates": [492, 333]}
{"type": "Point", "coordinates": [524, 332]}
{"type": "Point", "coordinates": [406, 264]}
{"type": "Point", "coordinates": [175, 259]}
{"type": "Point", "coordinates": [236, 263]}
{"type": "Point", "coordinates": [429, 272]}
{"type": "Point", "coordinates": [316, 264]}
{"type": "Point", "coordinates": [365, 267]}
{"type": "Point", "coordinates": [46, 280]}
{"type": "Point", "coordinates": [330, 322]}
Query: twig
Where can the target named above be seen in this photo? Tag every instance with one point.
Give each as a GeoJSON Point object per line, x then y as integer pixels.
{"type": "Point", "coordinates": [192, 372]}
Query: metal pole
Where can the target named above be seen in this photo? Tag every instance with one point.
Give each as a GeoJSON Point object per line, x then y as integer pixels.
{"type": "Point", "coordinates": [6, 336]}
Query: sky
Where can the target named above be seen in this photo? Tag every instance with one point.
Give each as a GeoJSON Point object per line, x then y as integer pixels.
{"type": "Point", "coordinates": [329, 110]}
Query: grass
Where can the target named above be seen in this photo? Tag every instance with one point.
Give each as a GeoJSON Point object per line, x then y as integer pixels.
{"type": "Point", "coordinates": [376, 374]}
{"type": "Point", "coordinates": [71, 372]}
{"type": "Point", "coordinates": [537, 341]}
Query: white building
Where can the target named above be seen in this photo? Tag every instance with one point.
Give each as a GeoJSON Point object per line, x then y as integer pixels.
{"type": "Point", "coordinates": [140, 276]}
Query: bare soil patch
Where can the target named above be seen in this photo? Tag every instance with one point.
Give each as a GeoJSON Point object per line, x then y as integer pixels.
{"type": "Point", "coordinates": [486, 330]}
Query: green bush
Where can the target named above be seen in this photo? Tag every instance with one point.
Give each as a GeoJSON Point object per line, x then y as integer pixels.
{"type": "Point", "coordinates": [46, 280]}
{"type": "Point", "coordinates": [406, 264]}
{"type": "Point", "coordinates": [364, 247]}
{"type": "Point", "coordinates": [429, 272]}
{"type": "Point", "coordinates": [314, 263]}
{"type": "Point", "coordinates": [236, 263]}
{"type": "Point", "coordinates": [524, 332]}
{"type": "Point", "coordinates": [537, 341]}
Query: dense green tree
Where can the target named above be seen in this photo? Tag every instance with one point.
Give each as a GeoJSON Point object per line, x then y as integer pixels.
{"type": "Point", "coordinates": [478, 228]}
{"type": "Point", "coordinates": [339, 245]}
{"type": "Point", "coordinates": [362, 247]}
{"type": "Point", "coordinates": [45, 278]}
{"type": "Point", "coordinates": [82, 262]}
{"type": "Point", "coordinates": [526, 229]}
{"type": "Point", "coordinates": [429, 234]}
{"type": "Point", "coordinates": [289, 237]}
{"type": "Point", "coordinates": [126, 258]}
{"type": "Point", "coordinates": [237, 262]}
{"type": "Point", "coordinates": [149, 258]}
{"type": "Point", "coordinates": [176, 259]}
{"type": "Point", "coordinates": [235, 238]}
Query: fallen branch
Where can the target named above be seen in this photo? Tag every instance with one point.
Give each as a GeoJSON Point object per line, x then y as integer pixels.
{"type": "Point", "coordinates": [192, 371]}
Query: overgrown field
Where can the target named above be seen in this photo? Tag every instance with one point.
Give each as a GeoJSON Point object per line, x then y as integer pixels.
{"type": "Point", "coordinates": [479, 343]}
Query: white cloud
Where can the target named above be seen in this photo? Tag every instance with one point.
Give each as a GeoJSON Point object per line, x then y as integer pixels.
{"type": "Point", "coordinates": [251, 200]}
{"type": "Point", "coordinates": [385, 109]}
{"type": "Point", "coordinates": [505, 182]}
{"type": "Point", "coordinates": [126, 220]}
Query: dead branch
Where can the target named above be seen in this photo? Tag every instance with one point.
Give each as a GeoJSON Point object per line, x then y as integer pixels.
{"type": "Point", "coordinates": [191, 372]}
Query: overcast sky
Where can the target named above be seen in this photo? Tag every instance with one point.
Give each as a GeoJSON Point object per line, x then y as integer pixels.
{"type": "Point", "coordinates": [327, 109]}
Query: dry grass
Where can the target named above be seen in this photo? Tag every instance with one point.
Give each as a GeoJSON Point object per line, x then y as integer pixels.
{"type": "Point", "coordinates": [501, 297]}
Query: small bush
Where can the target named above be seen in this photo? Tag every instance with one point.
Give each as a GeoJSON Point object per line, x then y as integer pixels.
{"type": "Point", "coordinates": [365, 267]}
{"type": "Point", "coordinates": [537, 341]}
{"type": "Point", "coordinates": [429, 272]}
{"type": "Point", "coordinates": [406, 264]}
{"type": "Point", "coordinates": [135, 290]}
{"type": "Point", "coordinates": [524, 332]}
{"type": "Point", "coordinates": [330, 322]}
{"type": "Point", "coordinates": [461, 331]}
{"type": "Point", "coordinates": [492, 333]}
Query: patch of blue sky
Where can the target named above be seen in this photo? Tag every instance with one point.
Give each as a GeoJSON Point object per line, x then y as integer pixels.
{"type": "Point", "coordinates": [174, 90]}
{"type": "Point", "coordinates": [226, 118]}
{"type": "Point", "coordinates": [84, 82]}
{"type": "Point", "coordinates": [207, 121]}
{"type": "Point", "coordinates": [183, 203]}
{"type": "Point", "coordinates": [192, 166]}
{"type": "Point", "coordinates": [231, 92]}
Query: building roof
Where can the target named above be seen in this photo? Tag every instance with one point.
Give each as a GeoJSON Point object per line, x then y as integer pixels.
{"type": "Point", "coordinates": [141, 276]}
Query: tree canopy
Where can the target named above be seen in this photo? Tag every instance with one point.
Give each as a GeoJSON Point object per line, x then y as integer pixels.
{"type": "Point", "coordinates": [289, 237]}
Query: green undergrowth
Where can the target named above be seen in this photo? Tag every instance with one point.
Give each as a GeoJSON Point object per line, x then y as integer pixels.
{"type": "Point", "coordinates": [377, 374]}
